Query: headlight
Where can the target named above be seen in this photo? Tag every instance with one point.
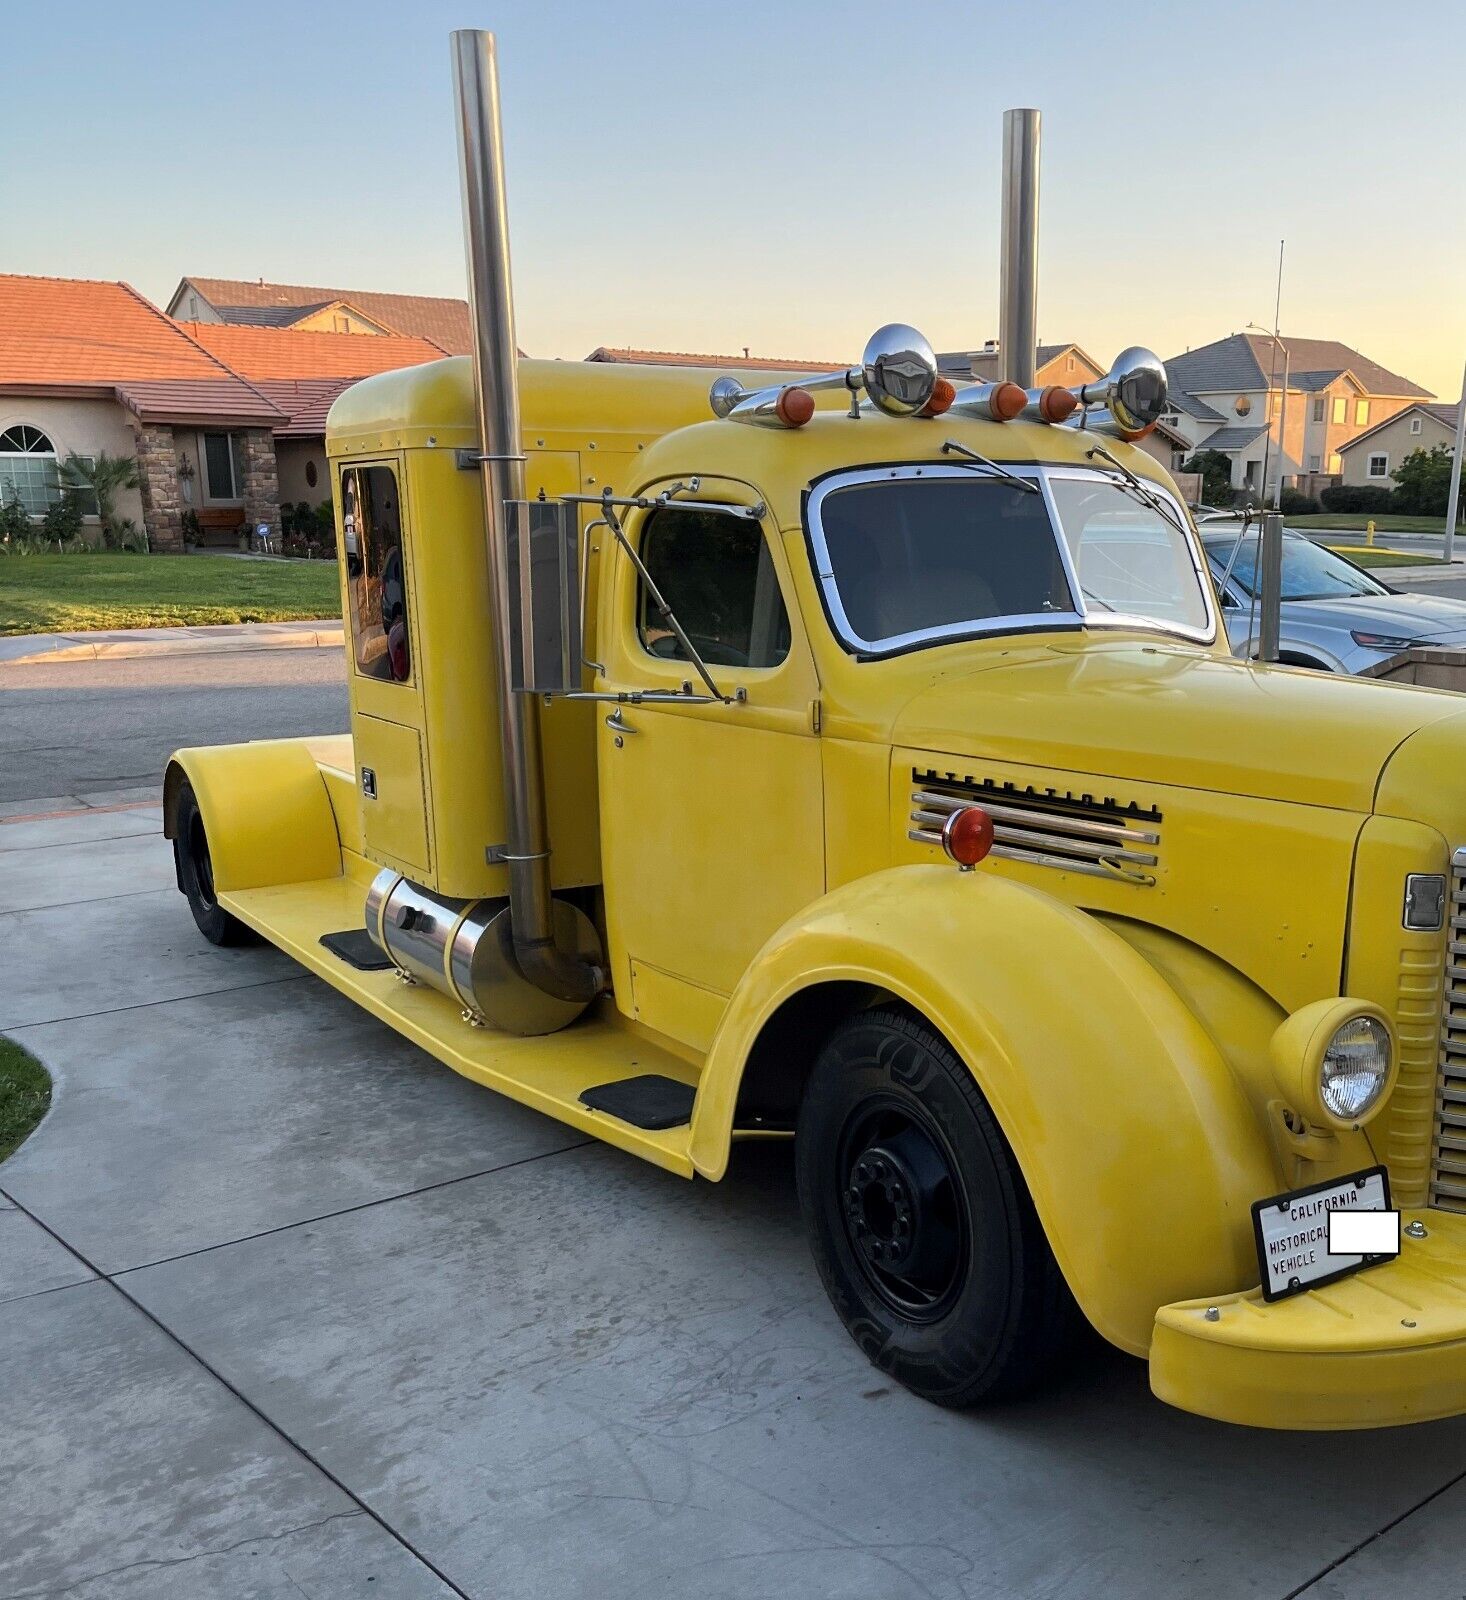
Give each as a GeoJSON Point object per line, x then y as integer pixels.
{"type": "Point", "coordinates": [1381, 641]}
{"type": "Point", "coordinates": [1334, 1061]}
{"type": "Point", "coordinates": [1356, 1067]}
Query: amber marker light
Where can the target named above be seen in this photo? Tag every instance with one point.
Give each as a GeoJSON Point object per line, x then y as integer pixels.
{"type": "Point", "coordinates": [794, 407]}
{"type": "Point", "coordinates": [944, 392]}
{"type": "Point", "coordinates": [1006, 401]}
{"type": "Point", "coordinates": [1056, 404]}
{"type": "Point", "coordinates": [967, 836]}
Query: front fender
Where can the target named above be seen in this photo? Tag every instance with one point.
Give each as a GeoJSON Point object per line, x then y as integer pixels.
{"type": "Point", "coordinates": [266, 811]}
{"type": "Point", "coordinates": [1138, 1145]}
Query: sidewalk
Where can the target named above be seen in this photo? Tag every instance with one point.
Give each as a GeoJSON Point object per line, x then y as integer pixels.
{"type": "Point", "coordinates": [120, 643]}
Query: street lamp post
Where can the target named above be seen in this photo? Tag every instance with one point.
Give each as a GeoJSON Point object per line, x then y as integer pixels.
{"type": "Point", "coordinates": [1282, 415]}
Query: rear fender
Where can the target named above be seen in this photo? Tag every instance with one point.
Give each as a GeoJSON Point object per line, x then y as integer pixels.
{"type": "Point", "coordinates": [266, 811]}
{"type": "Point", "coordinates": [1137, 1143]}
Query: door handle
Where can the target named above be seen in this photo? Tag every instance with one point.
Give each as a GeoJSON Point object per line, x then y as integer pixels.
{"type": "Point", "coordinates": [618, 724]}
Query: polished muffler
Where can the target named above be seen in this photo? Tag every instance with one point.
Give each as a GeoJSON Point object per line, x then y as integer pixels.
{"type": "Point", "coordinates": [465, 950]}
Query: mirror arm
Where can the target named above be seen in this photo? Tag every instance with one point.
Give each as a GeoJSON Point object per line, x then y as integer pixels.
{"type": "Point", "coordinates": [668, 616]}
{"type": "Point", "coordinates": [596, 667]}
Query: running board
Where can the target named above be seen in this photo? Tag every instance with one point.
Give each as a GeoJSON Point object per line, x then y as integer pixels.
{"type": "Point", "coordinates": [647, 1101]}
{"type": "Point", "coordinates": [551, 1073]}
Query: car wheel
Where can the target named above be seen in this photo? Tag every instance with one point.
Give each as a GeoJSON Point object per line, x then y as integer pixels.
{"type": "Point", "coordinates": [919, 1220]}
{"type": "Point", "coordinates": [196, 875]}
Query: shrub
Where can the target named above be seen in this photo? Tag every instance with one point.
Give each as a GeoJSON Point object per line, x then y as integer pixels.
{"type": "Point", "coordinates": [15, 522]}
{"type": "Point", "coordinates": [1362, 499]}
{"type": "Point", "coordinates": [193, 532]}
{"type": "Point", "coordinates": [1215, 467]}
{"type": "Point", "coordinates": [1297, 504]}
{"type": "Point", "coordinates": [62, 523]}
{"type": "Point", "coordinates": [1424, 477]}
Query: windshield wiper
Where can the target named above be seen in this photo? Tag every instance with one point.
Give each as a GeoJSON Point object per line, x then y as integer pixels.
{"type": "Point", "coordinates": [1028, 486]}
{"type": "Point", "coordinates": [1139, 490]}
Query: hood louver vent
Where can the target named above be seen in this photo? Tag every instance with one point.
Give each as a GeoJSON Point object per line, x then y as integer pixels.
{"type": "Point", "coordinates": [1045, 827]}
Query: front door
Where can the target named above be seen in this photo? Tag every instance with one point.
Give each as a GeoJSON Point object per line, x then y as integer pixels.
{"type": "Point", "coordinates": [711, 814]}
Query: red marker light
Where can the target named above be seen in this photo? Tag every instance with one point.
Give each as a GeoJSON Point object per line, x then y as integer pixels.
{"type": "Point", "coordinates": [944, 392]}
{"type": "Point", "coordinates": [794, 407]}
{"type": "Point", "coordinates": [967, 836]}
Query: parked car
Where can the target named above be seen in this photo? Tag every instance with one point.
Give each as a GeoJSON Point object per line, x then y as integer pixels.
{"type": "Point", "coordinates": [1335, 616]}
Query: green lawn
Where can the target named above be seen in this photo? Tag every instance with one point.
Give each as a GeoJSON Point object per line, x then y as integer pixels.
{"type": "Point", "coordinates": [1383, 522]}
{"type": "Point", "coordinates": [66, 594]}
{"type": "Point", "coordinates": [25, 1092]}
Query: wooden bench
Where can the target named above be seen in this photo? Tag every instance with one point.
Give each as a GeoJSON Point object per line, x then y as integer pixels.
{"type": "Point", "coordinates": [220, 525]}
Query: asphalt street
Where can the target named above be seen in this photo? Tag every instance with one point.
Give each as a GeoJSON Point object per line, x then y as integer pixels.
{"type": "Point", "coordinates": [79, 727]}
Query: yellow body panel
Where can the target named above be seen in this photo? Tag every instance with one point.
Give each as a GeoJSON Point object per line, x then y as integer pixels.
{"type": "Point", "coordinates": [743, 856]}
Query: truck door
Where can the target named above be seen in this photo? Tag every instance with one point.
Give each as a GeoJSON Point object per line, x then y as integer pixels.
{"type": "Point", "coordinates": [711, 814]}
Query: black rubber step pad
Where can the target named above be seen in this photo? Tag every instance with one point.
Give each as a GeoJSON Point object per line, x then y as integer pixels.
{"type": "Point", "coordinates": [650, 1101]}
{"type": "Point", "coordinates": [358, 949]}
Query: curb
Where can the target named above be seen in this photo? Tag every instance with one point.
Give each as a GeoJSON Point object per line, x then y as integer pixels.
{"type": "Point", "coordinates": [28, 649]}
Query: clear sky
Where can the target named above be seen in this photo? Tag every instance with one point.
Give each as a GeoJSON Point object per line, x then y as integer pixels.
{"type": "Point", "coordinates": [779, 175]}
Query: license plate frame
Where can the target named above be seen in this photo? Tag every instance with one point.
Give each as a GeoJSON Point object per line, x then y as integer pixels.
{"type": "Point", "coordinates": [1315, 1230]}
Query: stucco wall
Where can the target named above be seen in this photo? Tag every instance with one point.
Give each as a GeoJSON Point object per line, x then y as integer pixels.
{"type": "Point", "coordinates": [1395, 441]}
{"type": "Point", "coordinates": [86, 426]}
{"type": "Point", "coordinates": [291, 456]}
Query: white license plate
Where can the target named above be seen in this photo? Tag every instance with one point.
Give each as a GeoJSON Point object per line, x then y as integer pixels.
{"type": "Point", "coordinates": [1292, 1232]}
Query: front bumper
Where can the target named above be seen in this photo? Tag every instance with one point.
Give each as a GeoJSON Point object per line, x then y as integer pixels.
{"type": "Point", "coordinates": [1383, 1347]}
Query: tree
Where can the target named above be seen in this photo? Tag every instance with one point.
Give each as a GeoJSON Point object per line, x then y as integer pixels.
{"type": "Point", "coordinates": [106, 476]}
{"type": "Point", "coordinates": [1424, 477]}
{"type": "Point", "coordinates": [1215, 467]}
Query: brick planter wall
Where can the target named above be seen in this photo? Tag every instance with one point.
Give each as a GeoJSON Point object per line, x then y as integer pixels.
{"type": "Point", "coordinates": [157, 470]}
{"type": "Point", "coordinates": [261, 481]}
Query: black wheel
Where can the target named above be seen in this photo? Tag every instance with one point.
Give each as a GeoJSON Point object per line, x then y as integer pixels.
{"type": "Point", "coordinates": [196, 875]}
{"type": "Point", "coordinates": [920, 1222]}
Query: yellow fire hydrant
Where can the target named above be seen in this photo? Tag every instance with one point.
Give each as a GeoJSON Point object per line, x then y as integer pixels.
{"type": "Point", "coordinates": [1369, 532]}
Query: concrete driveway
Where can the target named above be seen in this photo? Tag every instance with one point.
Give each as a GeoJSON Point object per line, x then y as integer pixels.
{"type": "Point", "coordinates": [287, 1309]}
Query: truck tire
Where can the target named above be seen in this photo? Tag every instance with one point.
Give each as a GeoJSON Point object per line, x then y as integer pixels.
{"type": "Point", "coordinates": [196, 875]}
{"type": "Point", "coordinates": [920, 1222]}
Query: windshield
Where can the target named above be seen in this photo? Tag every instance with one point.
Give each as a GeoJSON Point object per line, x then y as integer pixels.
{"type": "Point", "coordinates": [1309, 571]}
{"type": "Point", "coordinates": [1130, 559]}
{"type": "Point", "coordinates": [910, 555]}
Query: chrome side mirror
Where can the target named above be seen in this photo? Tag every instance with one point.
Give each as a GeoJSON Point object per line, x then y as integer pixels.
{"type": "Point", "coordinates": [1134, 390]}
{"type": "Point", "coordinates": [900, 369]}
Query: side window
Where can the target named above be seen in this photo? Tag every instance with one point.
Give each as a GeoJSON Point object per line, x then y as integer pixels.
{"type": "Point", "coordinates": [376, 578]}
{"type": "Point", "coordinates": [715, 571]}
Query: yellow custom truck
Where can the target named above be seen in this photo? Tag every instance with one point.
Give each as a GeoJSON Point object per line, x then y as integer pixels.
{"type": "Point", "coordinates": [862, 761]}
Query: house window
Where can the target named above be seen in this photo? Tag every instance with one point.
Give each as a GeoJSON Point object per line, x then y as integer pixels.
{"type": "Point", "coordinates": [1361, 413]}
{"type": "Point", "coordinates": [1242, 405]}
{"type": "Point", "coordinates": [223, 467]}
{"type": "Point", "coordinates": [1415, 424]}
{"type": "Point", "coordinates": [1379, 466]}
{"type": "Point", "coordinates": [1341, 409]}
{"type": "Point", "coordinates": [310, 474]}
{"type": "Point", "coordinates": [1315, 463]}
{"type": "Point", "coordinates": [1336, 462]}
{"type": "Point", "coordinates": [1318, 408]}
{"type": "Point", "coordinates": [28, 470]}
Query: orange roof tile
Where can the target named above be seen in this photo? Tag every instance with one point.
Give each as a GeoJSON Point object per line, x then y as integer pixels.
{"type": "Point", "coordinates": [271, 354]}
{"type": "Point", "coordinates": [444, 321]}
{"type": "Point", "coordinates": [72, 333]}
{"type": "Point", "coordinates": [681, 358]}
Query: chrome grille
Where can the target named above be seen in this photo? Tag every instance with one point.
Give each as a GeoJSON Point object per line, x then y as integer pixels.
{"type": "Point", "coordinates": [1071, 832]}
{"type": "Point", "coordinates": [1448, 1170]}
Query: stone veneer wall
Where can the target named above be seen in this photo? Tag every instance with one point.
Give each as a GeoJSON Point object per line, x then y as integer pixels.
{"type": "Point", "coordinates": [261, 481]}
{"type": "Point", "coordinates": [157, 470]}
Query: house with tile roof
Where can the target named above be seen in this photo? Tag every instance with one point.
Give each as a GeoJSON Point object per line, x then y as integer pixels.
{"type": "Point", "coordinates": [1066, 365]}
{"type": "Point", "coordinates": [1229, 396]}
{"type": "Point", "coordinates": [223, 421]}
{"type": "Point", "coordinates": [87, 367]}
{"type": "Point", "coordinates": [313, 309]}
{"type": "Point", "coordinates": [1371, 457]}
{"type": "Point", "coordinates": [301, 372]}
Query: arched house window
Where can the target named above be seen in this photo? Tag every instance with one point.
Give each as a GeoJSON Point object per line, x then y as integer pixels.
{"type": "Point", "coordinates": [28, 468]}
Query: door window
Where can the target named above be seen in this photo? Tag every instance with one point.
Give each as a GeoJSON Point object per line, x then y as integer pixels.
{"type": "Point", "coordinates": [376, 574]}
{"type": "Point", "coordinates": [716, 573]}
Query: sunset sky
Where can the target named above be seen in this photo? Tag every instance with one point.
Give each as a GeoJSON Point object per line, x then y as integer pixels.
{"type": "Point", "coordinates": [778, 175]}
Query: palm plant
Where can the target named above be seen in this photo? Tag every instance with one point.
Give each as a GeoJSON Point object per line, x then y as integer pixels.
{"type": "Point", "coordinates": [105, 475]}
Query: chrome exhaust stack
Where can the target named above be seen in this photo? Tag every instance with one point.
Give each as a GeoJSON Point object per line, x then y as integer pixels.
{"type": "Point", "coordinates": [562, 974]}
{"type": "Point", "coordinates": [1018, 280]}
